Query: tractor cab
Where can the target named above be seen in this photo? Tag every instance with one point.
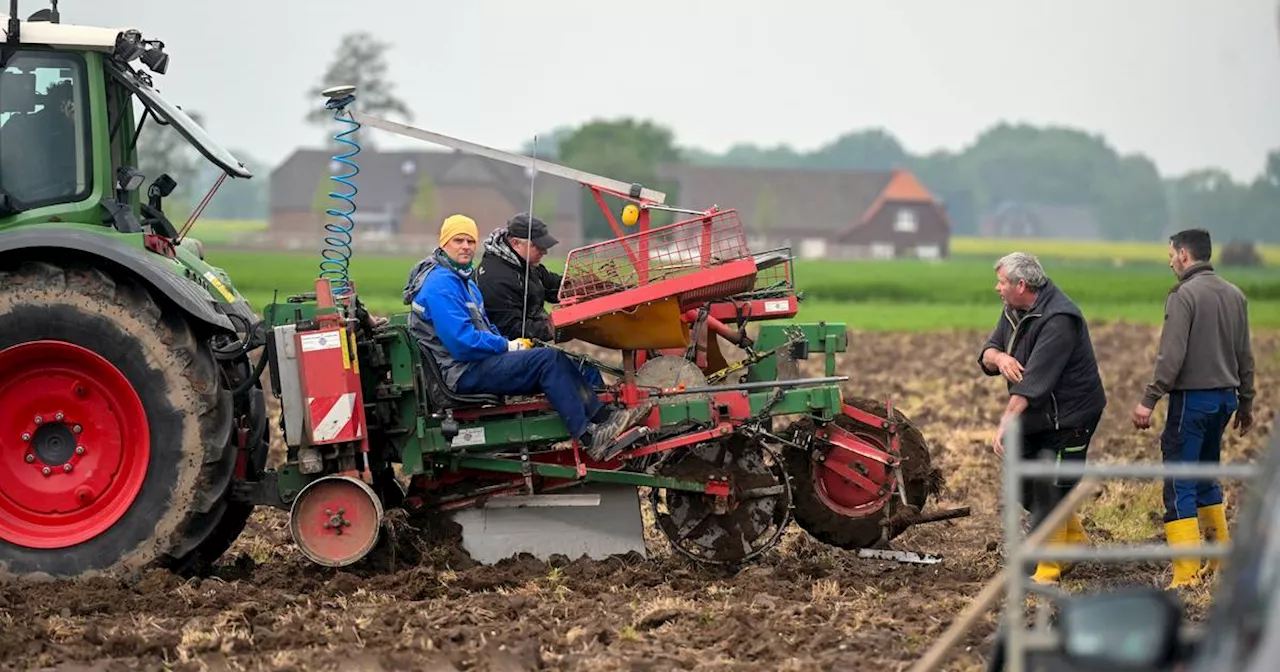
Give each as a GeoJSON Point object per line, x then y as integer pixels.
{"type": "Point", "coordinates": [68, 132]}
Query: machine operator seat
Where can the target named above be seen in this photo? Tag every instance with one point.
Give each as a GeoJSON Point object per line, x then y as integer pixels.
{"type": "Point", "coordinates": [439, 394]}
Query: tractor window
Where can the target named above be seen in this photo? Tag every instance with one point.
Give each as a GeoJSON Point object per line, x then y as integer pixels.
{"type": "Point", "coordinates": [44, 129]}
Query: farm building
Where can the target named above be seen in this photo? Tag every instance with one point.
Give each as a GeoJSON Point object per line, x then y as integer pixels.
{"type": "Point", "coordinates": [831, 214]}
{"type": "Point", "coordinates": [818, 213]}
{"type": "Point", "coordinates": [404, 195]}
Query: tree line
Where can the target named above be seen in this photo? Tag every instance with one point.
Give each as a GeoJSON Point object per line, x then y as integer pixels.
{"type": "Point", "coordinates": [1005, 163]}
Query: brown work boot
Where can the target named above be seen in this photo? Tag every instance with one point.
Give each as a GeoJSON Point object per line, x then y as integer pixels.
{"type": "Point", "coordinates": [604, 436]}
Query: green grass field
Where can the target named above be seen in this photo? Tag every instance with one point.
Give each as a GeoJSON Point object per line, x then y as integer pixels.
{"type": "Point", "coordinates": [872, 296]}
{"type": "Point", "coordinates": [1126, 252]}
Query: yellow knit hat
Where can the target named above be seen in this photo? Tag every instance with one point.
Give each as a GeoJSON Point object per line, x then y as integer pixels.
{"type": "Point", "coordinates": [455, 224]}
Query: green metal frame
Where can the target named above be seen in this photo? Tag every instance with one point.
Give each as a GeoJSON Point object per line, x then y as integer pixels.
{"type": "Point", "coordinates": [393, 385]}
{"type": "Point", "coordinates": [86, 213]}
{"type": "Point", "coordinates": [825, 338]}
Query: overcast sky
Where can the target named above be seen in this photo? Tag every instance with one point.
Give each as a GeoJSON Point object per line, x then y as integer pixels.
{"type": "Point", "coordinates": [1191, 83]}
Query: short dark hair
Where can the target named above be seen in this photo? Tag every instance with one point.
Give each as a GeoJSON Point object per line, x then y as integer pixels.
{"type": "Point", "coordinates": [1195, 241]}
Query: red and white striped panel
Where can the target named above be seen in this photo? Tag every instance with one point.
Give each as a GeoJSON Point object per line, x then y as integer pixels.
{"type": "Point", "coordinates": [333, 418]}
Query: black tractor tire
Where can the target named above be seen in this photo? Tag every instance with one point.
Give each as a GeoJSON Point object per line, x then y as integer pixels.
{"type": "Point", "coordinates": [213, 532]}
{"type": "Point", "coordinates": [182, 515]}
{"type": "Point", "coordinates": [836, 529]}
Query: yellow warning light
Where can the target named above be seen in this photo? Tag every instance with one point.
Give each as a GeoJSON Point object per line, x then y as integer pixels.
{"type": "Point", "coordinates": [630, 214]}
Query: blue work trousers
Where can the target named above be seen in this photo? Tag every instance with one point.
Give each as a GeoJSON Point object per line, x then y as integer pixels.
{"type": "Point", "coordinates": [530, 372]}
{"type": "Point", "coordinates": [1193, 433]}
{"type": "Point", "coordinates": [594, 378]}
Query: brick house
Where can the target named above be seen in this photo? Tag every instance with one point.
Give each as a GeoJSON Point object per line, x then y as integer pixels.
{"type": "Point", "coordinates": [824, 213]}
{"type": "Point", "coordinates": [404, 195]}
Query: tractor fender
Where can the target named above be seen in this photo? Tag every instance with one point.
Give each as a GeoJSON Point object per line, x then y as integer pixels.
{"type": "Point", "coordinates": [183, 293]}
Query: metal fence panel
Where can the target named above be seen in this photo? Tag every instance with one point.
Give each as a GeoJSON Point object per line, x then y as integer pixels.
{"type": "Point", "coordinates": [1019, 640]}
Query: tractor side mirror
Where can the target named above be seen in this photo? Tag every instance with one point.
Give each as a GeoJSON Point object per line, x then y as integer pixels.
{"type": "Point", "coordinates": [161, 188]}
{"type": "Point", "coordinates": [1133, 629]}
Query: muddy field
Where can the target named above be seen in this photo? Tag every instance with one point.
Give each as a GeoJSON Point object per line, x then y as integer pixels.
{"type": "Point", "coordinates": [802, 607]}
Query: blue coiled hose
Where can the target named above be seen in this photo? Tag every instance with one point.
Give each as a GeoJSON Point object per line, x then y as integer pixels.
{"type": "Point", "coordinates": [337, 250]}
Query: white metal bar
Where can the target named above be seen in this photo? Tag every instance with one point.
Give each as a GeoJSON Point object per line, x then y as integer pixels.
{"type": "Point", "coordinates": [1133, 553]}
{"type": "Point", "coordinates": [521, 160]}
{"type": "Point", "coordinates": [522, 501]}
{"type": "Point", "coordinates": [1046, 468]}
{"type": "Point", "coordinates": [1049, 640]}
{"type": "Point", "coordinates": [1015, 594]}
{"type": "Point", "coordinates": [910, 557]}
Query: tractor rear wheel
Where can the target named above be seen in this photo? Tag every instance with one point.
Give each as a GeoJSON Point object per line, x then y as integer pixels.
{"type": "Point", "coordinates": [117, 441]}
{"type": "Point", "coordinates": [833, 516]}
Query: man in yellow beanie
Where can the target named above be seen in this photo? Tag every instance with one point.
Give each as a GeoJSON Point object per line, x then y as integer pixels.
{"type": "Point", "coordinates": [449, 321]}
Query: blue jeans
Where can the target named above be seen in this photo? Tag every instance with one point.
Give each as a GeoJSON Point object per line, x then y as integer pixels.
{"type": "Point", "coordinates": [1193, 433]}
{"type": "Point", "coordinates": [532, 371]}
{"type": "Point", "coordinates": [594, 378]}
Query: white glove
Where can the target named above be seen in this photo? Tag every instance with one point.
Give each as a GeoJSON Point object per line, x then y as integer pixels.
{"type": "Point", "coordinates": [519, 344]}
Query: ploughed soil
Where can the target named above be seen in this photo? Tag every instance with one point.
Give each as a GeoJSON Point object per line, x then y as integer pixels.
{"type": "Point", "coordinates": [421, 603]}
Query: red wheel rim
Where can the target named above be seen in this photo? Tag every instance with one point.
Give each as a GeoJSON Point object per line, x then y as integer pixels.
{"type": "Point", "coordinates": [335, 520]}
{"type": "Point", "coordinates": [848, 498]}
{"type": "Point", "coordinates": [74, 444]}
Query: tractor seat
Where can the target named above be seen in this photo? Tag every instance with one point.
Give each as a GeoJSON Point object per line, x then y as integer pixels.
{"type": "Point", "coordinates": [439, 394]}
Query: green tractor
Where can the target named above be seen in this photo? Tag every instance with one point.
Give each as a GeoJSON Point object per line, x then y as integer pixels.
{"type": "Point", "coordinates": [131, 370]}
{"type": "Point", "coordinates": [131, 408]}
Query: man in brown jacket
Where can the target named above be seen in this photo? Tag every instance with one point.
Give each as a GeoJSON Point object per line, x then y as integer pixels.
{"type": "Point", "coordinates": [1205, 366]}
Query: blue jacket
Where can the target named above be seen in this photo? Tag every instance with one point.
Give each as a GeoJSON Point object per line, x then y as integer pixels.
{"type": "Point", "coordinates": [449, 317]}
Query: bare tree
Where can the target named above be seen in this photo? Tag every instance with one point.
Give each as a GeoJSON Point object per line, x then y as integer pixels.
{"type": "Point", "coordinates": [360, 61]}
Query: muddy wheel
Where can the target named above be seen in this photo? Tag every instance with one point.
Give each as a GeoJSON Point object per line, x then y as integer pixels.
{"type": "Point", "coordinates": [838, 514]}
{"type": "Point", "coordinates": [212, 532]}
{"type": "Point", "coordinates": [117, 441]}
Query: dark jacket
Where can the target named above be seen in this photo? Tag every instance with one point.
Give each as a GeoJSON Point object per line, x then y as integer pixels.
{"type": "Point", "coordinates": [501, 280]}
{"type": "Point", "coordinates": [1209, 316]}
{"type": "Point", "coordinates": [1060, 376]}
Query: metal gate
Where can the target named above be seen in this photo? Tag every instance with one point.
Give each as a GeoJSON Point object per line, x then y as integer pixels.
{"type": "Point", "coordinates": [1019, 641]}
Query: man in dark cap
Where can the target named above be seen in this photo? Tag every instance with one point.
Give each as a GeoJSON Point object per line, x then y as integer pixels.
{"type": "Point", "coordinates": [501, 277]}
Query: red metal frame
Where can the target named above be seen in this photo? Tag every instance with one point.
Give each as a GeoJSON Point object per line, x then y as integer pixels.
{"type": "Point", "coordinates": [689, 246]}
{"type": "Point", "coordinates": [855, 478]}
{"type": "Point", "coordinates": [723, 276]}
{"type": "Point", "coordinates": [326, 374]}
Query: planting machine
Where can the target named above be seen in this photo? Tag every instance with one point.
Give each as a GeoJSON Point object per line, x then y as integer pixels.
{"type": "Point", "coordinates": [135, 429]}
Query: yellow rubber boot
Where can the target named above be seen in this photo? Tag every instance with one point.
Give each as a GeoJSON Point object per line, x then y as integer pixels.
{"type": "Point", "coordinates": [1049, 571]}
{"type": "Point", "coordinates": [1185, 532]}
{"type": "Point", "coordinates": [1213, 525]}
{"type": "Point", "coordinates": [1075, 530]}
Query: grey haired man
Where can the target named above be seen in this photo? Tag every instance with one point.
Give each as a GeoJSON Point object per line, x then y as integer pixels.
{"type": "Point", "coordinates": [1041, 346]}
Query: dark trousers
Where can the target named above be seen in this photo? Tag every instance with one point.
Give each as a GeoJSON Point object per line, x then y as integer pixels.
{"type": "Point", "coordinates": [1193, 433]}
{"type": "Point", "coordinates": [538, 370]}
{"type": "Point", "coordinates": [1069, 444]}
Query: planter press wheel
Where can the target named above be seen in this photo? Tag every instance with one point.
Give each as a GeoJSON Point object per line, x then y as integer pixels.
{"type": "Point", "coordinates": [845, 515]}
{"type": "Point", "coordinates": [724, 531]}
{"type": "Point", "coordinates": [335, 520]}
